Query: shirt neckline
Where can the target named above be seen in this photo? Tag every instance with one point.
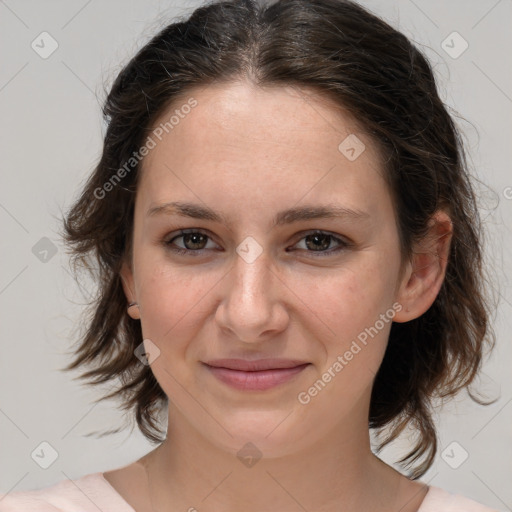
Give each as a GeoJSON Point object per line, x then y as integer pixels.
{"type": "Point", "coordinates": [426, 500]}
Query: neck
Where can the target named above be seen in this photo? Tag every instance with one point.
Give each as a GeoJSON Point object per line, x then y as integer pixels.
{"type": "Point", "coordinates": [189, 472]}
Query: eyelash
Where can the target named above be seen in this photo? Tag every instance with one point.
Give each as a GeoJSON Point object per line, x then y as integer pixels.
{"type": "Point", "coordinates": [178, 250]}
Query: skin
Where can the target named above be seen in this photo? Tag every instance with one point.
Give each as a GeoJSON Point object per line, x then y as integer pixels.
{"type": "Point", "coordinates": [249, 153]}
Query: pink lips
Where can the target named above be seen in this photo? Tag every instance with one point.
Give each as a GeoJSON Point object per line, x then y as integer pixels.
{"type": "Point", "coordinates": [255, 375]}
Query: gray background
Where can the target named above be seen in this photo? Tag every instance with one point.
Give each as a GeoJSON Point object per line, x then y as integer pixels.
{"type": "Point", "coordinates": [51, 132]}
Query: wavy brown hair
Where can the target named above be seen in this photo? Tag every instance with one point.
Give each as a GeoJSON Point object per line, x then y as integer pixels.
{"type": "Point", "coordinates": [345, 53]}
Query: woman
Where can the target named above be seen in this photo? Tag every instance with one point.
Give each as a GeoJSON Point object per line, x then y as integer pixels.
{"type": "Point", "coordinates": [289, 254]}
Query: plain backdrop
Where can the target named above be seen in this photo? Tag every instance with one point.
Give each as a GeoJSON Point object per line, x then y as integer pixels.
{"type": "Point", "coordinates": [51, 134]}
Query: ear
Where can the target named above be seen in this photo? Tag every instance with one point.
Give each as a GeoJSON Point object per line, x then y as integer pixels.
{"type": "Point", "coordinates": [425, 273]}
{"type": "Point", "coordinates": [128, 287]}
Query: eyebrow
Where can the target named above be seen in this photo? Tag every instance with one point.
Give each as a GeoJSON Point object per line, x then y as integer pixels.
{"type": "Point", "coordinates": [296, 214]}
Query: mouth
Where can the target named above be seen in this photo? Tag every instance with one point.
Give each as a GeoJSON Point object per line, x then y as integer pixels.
{"type": "Point", "coordinates": [257, 375]}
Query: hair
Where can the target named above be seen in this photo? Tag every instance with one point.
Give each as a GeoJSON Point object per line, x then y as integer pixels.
{"type": "Point", "coordinates": [341, 51]}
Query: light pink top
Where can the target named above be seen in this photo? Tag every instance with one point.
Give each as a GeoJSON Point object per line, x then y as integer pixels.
{"type": "Point", "coordinates": [93, 493]}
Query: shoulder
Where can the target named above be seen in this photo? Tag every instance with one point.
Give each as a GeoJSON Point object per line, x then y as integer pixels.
{"type": "Point", "coordinates": [85, 494]}
{"type": "Point", "coordinates": [440, 500]}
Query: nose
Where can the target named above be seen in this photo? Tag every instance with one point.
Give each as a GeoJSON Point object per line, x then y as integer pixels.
{"type": "Point", "coordinates": [253, 302]}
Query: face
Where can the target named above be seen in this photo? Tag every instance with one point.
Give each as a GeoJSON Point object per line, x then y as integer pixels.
{"type": "Point", "coordinates": [313, 292]}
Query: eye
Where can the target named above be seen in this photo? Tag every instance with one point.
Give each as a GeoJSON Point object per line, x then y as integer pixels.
{"type": "Point", "coordinates": [319, 241]}
{"type": "Point", "coordinates": [195, 241]}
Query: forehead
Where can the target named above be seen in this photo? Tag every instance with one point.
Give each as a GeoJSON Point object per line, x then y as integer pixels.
{"type": "Point", "coordinates": [278, 143]}
{"type": "Point", "coordinates": [243, 112]}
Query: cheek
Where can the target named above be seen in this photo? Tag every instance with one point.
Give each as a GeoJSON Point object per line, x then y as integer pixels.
{"type": "Point", "coordinates": [341, 301]}
{"type": "Point", "coordinates": [171, 298]}
{"type": "Point", "coordinates": [356, 313]}
{"type": "Point", "coordinates": [349, 299]}
{"type": "Point", "coordinates": [173, 312]}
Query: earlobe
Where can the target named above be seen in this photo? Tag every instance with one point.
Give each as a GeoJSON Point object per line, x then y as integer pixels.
{"type": "Point", "coordinates": [426, 272]}
{"type": "Point", "coordinates": [126, 275]}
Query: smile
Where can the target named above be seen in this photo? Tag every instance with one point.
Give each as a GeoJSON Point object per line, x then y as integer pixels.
{"type": "Point", "coordinates": [255, 380]}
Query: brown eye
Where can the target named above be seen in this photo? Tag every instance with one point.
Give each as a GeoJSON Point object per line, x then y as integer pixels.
{"type": "Point", "coordinates": [194, 242]}
{"type": "Point", "coordinates": [319, 242]}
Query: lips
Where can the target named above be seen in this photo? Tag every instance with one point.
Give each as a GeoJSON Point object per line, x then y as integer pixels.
{"type": "Point", "coordinates": [256, 365]}
{"type": "Point", "coordinates": [257, 375]}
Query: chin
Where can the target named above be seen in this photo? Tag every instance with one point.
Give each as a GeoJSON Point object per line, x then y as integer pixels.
{"type": "Point", "coordinates": [260, 434]}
